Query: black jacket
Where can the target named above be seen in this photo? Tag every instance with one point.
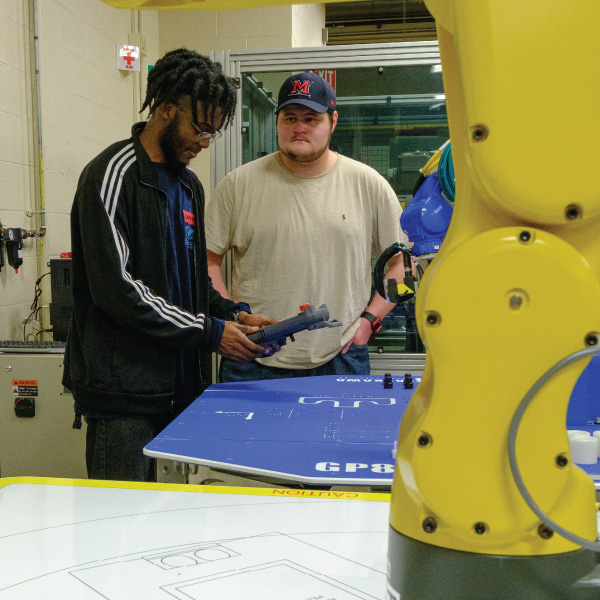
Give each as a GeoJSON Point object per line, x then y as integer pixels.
{"type": "Point", "coordinates": [123, 344]}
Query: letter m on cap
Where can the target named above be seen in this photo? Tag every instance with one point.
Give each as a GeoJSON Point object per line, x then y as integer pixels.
{"type": "Point", "coordinates": [301, 87]}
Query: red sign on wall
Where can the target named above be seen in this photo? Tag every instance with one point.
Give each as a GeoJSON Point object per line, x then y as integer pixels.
{"type": "Point", "coordinates": [128, 58]}
{"type": "Point", "coordinates": [328, 75]}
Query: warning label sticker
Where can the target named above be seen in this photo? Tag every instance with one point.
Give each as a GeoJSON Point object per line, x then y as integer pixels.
{"type": "Point", "coordinates": [25, 387]}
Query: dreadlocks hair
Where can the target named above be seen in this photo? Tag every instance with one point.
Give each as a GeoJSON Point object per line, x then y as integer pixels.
{"type": "Point", "coordinates": [185, 71]}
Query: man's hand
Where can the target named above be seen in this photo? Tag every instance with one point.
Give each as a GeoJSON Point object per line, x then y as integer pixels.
{"type": "Point", "coordinates": [361, 337]}
{"type": "Point", "coordinates": [236, 346]}
{"type": "Point", "coordinates": [259, 321]}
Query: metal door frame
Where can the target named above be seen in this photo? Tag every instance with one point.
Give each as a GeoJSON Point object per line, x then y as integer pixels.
{"type": "Point", "coordinates": [226, 152]}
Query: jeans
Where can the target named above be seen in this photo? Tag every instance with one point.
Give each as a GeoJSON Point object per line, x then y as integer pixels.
{"type": "Point", "coordinates": [354, 362]}
{"type": "Point", "coordinates": [114, 447]}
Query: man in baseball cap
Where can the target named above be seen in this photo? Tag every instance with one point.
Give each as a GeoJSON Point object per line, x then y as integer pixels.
{"type": "Point", "coordinates": [302, 223]}
{"type": "Point", "coordinates": [307, 89]}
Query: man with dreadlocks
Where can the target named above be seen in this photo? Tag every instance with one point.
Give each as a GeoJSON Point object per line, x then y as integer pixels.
{"type": "Point", "coordinates": [144, 308]}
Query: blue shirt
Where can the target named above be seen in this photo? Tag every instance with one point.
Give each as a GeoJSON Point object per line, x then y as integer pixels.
{"type": "Point", "coordinates": [181, 224]}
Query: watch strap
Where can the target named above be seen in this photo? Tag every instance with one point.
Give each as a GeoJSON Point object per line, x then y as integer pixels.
{"type": "Point", "coordinates": [375, 321]}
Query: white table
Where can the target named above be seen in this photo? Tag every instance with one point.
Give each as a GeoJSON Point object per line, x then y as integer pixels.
{"type": "Point", "coordinates": [90, 540]}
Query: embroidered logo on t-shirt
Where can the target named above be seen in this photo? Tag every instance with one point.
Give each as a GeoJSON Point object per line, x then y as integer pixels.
{"type": "Point", "coordinates": [189, 217]}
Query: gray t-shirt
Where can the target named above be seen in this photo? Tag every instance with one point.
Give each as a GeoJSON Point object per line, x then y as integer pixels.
{"type": "Point", "coordinates": [300, 240]}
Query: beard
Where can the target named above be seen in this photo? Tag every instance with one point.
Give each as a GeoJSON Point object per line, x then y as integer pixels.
{"type": "Point", "coordinates": [170, 144]}
{"type": "Point", "coordinates": [304, 158]}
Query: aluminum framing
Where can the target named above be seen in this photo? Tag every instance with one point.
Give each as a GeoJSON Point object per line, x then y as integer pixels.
{"type": "Point", "coordinates": [226, 153]}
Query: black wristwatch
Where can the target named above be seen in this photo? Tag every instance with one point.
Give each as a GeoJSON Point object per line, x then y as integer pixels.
{"type": "Point", "coordinates": [375, 321]}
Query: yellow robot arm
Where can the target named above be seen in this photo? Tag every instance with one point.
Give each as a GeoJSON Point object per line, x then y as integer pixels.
{"type": "Point", "coordinates": [513, 291]}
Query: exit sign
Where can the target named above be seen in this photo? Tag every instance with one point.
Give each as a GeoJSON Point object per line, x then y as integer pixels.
{"type": "Point", "coordinates": [328, 75]}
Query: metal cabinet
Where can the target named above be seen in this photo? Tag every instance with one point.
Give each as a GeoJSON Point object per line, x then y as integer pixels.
{"type": "Point", "coordinates": [41, 443]}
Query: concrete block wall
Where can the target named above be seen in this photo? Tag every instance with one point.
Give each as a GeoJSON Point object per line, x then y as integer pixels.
{"type": "Point", "coordinates": [16, 160]}
{"type": "Point", "coordinates": [86, 104]}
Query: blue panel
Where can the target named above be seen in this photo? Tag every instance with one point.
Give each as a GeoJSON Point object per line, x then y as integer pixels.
{"type": "Point", "coordinates": [584, 406]}
{"type": "Point", "coordinates": [330, 429]}
{"type": "Point", "coordinates": [334, 428]}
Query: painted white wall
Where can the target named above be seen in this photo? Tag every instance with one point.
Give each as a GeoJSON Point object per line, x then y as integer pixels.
{"type": "Point", "coordinates": [87, 104]}
{"type": "Point", "coordinates": [16, 160]}
{"type": "Point", "coordinates": [308, 21]}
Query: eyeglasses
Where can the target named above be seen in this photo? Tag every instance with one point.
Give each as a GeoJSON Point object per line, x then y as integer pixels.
{"type": "Point", "coordinates": [202, 135]}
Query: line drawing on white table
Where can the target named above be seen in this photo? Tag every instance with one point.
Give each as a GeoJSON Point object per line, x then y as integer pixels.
{"type": "Point", "coordinates": [124, 544]}
{"type": "Point", "coordinates": [266, 564]}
